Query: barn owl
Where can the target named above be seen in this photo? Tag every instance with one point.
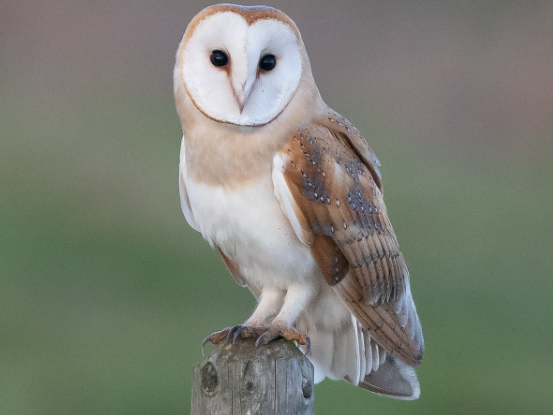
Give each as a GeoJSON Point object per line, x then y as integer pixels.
{"type": "Point", "coordinates": [290, 194]}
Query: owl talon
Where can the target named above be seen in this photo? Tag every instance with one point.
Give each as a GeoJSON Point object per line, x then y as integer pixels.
{"type": "Point", "coordinates": [260, 342]}
{"type": "Point", "coordinates": [217, 337]}
{"type": "Point", "coordinates": [236, 332]}
{"type": "Point", "coordinates": [270, 334]}
{"type": "Point", "coordinates": [230, 333]}
{"type": "Point", "coordinates": [264, 335]}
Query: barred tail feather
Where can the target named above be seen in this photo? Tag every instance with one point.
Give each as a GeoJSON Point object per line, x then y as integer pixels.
{"type": "Point", "coordinates": [351, 354]}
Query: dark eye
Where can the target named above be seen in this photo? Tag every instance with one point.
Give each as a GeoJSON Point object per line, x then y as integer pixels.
{"type": "Point", "coordinates": [267, 62]}
{"type": "Point", "coordinates": [218, 58]}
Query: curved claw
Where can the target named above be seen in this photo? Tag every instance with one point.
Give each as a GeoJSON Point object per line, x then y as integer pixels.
{"type": "Point", "coordinates": [231, 335]}
{"type": "Point", "coordinates": [217, 337]}
{"type": "Point", "coordinates": [205, 340]}
{"type": "Point", "coordinates": [238, 333]}
{"type": "Point", "coordinates": [260, 342]}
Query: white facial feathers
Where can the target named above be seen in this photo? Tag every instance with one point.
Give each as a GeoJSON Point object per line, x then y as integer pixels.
{"type": "Point", "coordinates": [241, 92]}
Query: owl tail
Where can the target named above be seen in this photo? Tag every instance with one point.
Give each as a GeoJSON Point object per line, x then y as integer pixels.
{"type": "Point", "coordinates": [351, 354]}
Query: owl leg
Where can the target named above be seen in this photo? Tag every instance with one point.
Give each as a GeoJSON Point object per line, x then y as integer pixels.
{"type": "Point", "coordinates": [296, 301]}
{"type": "Point", "coordinates": [270, 303]}
{"type": "Point", "coordinates": [297, 298]}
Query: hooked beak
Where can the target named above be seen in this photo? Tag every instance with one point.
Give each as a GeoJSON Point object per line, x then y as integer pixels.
{"type": "Point", "coordinates": [243, 93]}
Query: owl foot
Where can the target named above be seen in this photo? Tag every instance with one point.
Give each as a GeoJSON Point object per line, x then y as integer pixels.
{"type": "Point", "coordinates": [264, 336]}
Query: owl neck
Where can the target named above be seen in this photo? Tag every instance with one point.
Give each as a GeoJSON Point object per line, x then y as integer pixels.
{"type": "Point", "coordinates": [227, 155]}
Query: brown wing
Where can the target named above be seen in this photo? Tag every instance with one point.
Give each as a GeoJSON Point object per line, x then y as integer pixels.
{"type": "Point", "coordinates": [332, 176]}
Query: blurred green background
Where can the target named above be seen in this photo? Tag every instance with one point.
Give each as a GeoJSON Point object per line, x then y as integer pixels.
{"type": "Point", "coordinates": [106, 294]}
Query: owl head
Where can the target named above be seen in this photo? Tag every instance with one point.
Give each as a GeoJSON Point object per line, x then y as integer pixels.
{"type": "Point", "coordinates": [241, 65]}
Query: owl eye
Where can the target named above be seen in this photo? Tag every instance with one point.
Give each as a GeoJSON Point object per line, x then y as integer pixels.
{"type": "Point", "coordinates": [267, 62]}
{"type": "Point", "coordinates": [218, 58]}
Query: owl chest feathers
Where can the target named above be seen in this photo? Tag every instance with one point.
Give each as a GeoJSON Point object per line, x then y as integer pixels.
{"type": "Point", "coordinates": [232, 203]}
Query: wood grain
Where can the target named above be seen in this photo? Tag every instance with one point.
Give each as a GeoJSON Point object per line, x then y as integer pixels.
{"type": "Point", "coordinates": [236, 379]}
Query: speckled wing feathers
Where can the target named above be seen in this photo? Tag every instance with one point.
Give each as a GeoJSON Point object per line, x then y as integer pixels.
{"type": "Point", "coordinates": [333, 177]}
{"type": "Point", "coordinates": [341, 127]}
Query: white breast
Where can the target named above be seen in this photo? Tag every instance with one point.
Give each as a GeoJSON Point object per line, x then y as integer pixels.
{"type": "Point", "coordinates": [251, 229]}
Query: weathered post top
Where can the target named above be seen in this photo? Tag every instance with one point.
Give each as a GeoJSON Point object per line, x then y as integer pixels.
{"type": "Point", "coordinates": [237, 379]}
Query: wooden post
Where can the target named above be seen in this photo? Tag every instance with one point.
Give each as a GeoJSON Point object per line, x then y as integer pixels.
{"type": "Point", "coordinates": [236, 379]}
